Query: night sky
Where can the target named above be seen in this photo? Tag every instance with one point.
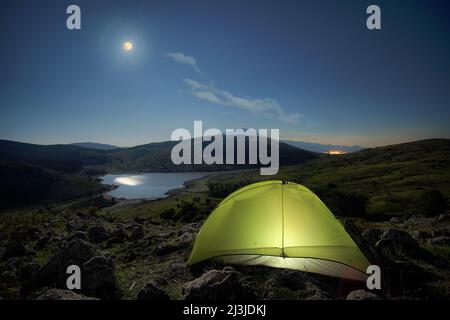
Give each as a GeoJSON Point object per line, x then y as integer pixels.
{"type": "Point", "coordinates": [310, 68]}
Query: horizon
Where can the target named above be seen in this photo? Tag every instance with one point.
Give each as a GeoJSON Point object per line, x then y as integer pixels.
{"type": "Point", "coordinates": [135, 73]}
{"type": "Point", "coordinates": [281, 140]}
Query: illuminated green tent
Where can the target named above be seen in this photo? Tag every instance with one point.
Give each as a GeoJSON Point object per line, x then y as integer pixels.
{"type": "Point", "coordinates": [282, 225]}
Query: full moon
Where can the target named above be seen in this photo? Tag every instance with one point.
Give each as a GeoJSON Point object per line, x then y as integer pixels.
{"type": "Point", "coordinates": [128, 46]}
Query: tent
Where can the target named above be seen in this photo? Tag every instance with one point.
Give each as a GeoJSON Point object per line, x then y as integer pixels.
{"type": "Point", "coordinates": [279, 224]}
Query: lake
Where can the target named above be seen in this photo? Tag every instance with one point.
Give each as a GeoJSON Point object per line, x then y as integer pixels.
{"type": "Point", "coordinates": [151, 185]}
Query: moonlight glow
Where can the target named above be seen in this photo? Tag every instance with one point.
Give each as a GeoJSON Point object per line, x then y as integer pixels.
{"type": "Point", "coordinates": [128, 46]}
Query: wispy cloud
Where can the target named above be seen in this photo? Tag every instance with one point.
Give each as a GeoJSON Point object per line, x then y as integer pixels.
{"type": "Point", "coordinates": [182, 58]}
{"type": "Point", "coordinates": [264, 106]}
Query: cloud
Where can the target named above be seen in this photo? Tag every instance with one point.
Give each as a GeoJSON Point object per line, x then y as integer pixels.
{"type": "Point", "coordinates": [264, 106]}
{"type": "Point", "coordinates": [181, 58]}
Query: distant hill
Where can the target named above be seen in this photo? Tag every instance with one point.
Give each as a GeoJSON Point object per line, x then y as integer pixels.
{"type": "Point", "coordinates": [156, 157]}
{"type": "Point", "coordinates": [322, 148]}
{"type": "Point", "coordinates": [62, 158]}
{"type": "Point", "coordinates": [25, 184]}
{"type": "Point", "coordinates": [96, 146]}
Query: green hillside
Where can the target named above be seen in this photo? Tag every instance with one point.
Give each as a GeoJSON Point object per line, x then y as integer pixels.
{"type": "Point", "coordinates": [23, 184]}
{"type": "Point", "coordinates": [392, 179]}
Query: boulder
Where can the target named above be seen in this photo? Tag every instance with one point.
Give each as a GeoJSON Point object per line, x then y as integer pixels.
{"type": "Point", "coordinates": [73, 225]}
{"type": "Point", "coordinates": [139, 220]}
{"type": "Point", "coordinates": [395, 243]}
{"type": "Point", "coordinates": [362, 295]}
{"type": "Point", "coordinates": [22, 267]}
{"type": "Point", "coordinates": [443, 217]}
{"type": "Point", "coordinates": [315, 292]}
{"type": "Point", "coordinates": [178, 239]}
{"type": "Point", "coordinates": [79, 235]}
{"type": "Point", "coordinates": [152, 291]}
{"type": "Point", "coordinates": [24, 234]}
{"type": "Point", "coordinates": [98, 278]}
{"type": "Point", "coordinates": [83, 215]}
{"type": "Point", "coordinates": [75, 252]}
{"type": "Point", "coordinates": [59, 294]}
{"type": "Point", "coordinates": [226, 284]}
{"type": "Point", "coordinates": [41, 243]}
{"type": "Point", "coordinates": [28, 270]}
{"type": "Point", "coordinates": [117, 236]}
{"type": "Point", "coordinates": [137, 233]}
{"type": "Point", "coordinates": [420, 235]}
{"type": "Point", "coordinates": [97, 234]}
{"type": "Point", "coordinates": [15, 248]}
{"type": "Point", "coordinates": [441, 232]}
{"type": "Point", "coordinates": [413, 276]}
{"type": "Point", "coordinates": [439, 241]}
{"type": "Point", "coordinates": [372, 235]}
{"type": "Point", "coordinates": [292, 284]}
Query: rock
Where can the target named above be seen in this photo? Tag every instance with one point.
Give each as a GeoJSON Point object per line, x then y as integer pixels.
{"type": "Point", "coordinates": [154, 222]}
{"type": "Point", "coordinates": [179, 239]}
{"type": "Point", "coordinates": [191, 227]}
{"type": "Point", "coordinates": [79, 235]}
{"type": "Point", "coordinates": [398, 245]}
{"type": "Point", "coordinates": [139, 220]}
{"type": "Point", "coordinates": [83, 215]}
{"type": "Point", "coordinates": [362, 295]}
{"type": "Point", "coordinates": [73, 225]}
{"type": "Point", "coordinates": [75, 252]}
{"type": "Point", "coordinates": [292, 284]}
{"type": "Point", "coordinates": [441, 232]}
{"type": "Point", "coordinates": [152, 291]}
{"type": "Point", "coordinates": [443, 217]}
{"type": "Point", "coordinates": [117, 236]}
{"type": "Point", "coordinates": [440, 241]}
{"type": "Point", "coordinates": [29, 269]}
{"type": "Point", "coordinates": [165, 248]}
{"type": "Point", "coordinates": [185, 239]}
{"type": "Point", "coordinates": [99, 279]}
{"type": "Point", "coordinates": [59, 294]}
{"type": "Point", "coordinates": [23, 234]}
{"type": "Point", "coordinates": [41, 243]}
{"type": "Point", "coordinates": [315, 292]}
{"type": "Point", "coordinates": [15, 248]}
{"type": "Point", "coordinates": [395, 241]}
{"type": "Point", "coordinates": [137, 233]}
{"type": "Point", "coordinates": [23, 267]}
{"type": "Point", "coordinates": [372, 235]}
{"type": "Point", "coordinates": [97, 234]}
{"type": "Point", "coordinates": [226, 284]}
{"type": "Point", "coordinates": [395, 220]}
{"type": "Point", "coordinates": [420, 235]}
{"type": "Point", "coordinates": [291, 279]}
{"type": "Point", "coordinates": [414, 276]}
{"type": "Point", "coordinates": [176, 266]}
{"type": "Point", "coordinates": [34, 233]}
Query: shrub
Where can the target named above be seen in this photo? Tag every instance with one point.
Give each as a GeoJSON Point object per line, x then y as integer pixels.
{"type": "Point", "coordinates": [221, 189]}
{"type": "Point", "coordinates": [433, 203]}
{"type": "Point", "coordinates": [343, 203]}
{"type": "Point", "coordinates": [168, 214]}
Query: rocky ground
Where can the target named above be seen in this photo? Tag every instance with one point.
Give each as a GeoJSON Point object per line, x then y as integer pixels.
{"type": "Point", "coordinates": [139, 251]}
